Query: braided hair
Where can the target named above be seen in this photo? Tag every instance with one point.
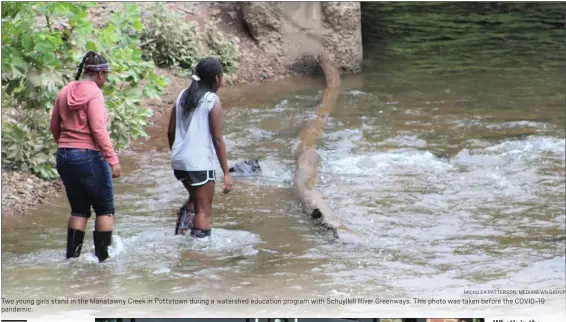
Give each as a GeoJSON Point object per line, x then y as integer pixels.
{"type": "Point", "coordinates": [204, 80]}
{"type": "Point", "coordinates": [91, 58]}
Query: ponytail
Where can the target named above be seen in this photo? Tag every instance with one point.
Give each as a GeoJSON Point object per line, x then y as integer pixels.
{"type": "Point", "coordinates": [192, 96]}
{"type": "Point", "coordinates": [203, 81]}
{"type": "Point", "coordinates": [82, 64]}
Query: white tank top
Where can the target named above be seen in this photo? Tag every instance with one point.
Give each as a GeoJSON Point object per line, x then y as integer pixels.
{"type": "Point", "coordinates": [193, 149]}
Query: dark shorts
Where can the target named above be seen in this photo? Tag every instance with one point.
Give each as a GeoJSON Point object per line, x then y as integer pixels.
{"type": "Point", "coordinates": [88, 181]}
{"type": "Point", "coordinates": [195, 178]}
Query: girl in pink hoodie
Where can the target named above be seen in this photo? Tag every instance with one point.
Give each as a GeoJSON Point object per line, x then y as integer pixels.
{"type": "Point", "coordinates": [86, 161]}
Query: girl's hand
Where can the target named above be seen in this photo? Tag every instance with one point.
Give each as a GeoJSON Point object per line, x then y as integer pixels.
{"type": "Point", "coordinates": [227, 183]}
{"type": "Point", "coordinates": [116, 170]}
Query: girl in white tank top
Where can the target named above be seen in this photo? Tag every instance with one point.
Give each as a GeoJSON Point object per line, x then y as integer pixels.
{"type": "Point", "coordinates": [196, 140]}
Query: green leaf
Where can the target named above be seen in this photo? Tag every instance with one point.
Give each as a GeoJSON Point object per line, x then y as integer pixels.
{"type": "Point", "coordinates": [138, 25]}
{"type": "Point", "coordinates": [91, 46]}
{"type": "Point", "coordinates": [51, 60]}
{"type": "Point", "coordinates": [27, 41]}
{"type": "Point", "coordinates": [131, 9]}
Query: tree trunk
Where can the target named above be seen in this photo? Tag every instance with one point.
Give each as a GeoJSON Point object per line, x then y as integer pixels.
{"type": "Point", "coordinates": [308, 160]}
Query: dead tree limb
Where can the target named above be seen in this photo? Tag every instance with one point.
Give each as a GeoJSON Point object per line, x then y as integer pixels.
{"type": "Point", "coordinates": [308, 160]}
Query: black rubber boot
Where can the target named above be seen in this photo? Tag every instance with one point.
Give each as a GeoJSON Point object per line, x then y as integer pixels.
{"type": "Point", "coordinates": [102, 239]}
{"type": "Point", "coordinates": [184, 220]}
{"type": "Point", "coordinates": [200, 233]}
{"type": "Point", "coordinates": [74, 242]}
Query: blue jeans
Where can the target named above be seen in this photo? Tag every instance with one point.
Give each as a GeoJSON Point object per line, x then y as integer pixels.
{"type": "Point", "coordinates": [88, 181]}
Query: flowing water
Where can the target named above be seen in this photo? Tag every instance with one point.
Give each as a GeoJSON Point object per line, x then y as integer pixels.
{"type": "Point", "coordinates": [452, 183]}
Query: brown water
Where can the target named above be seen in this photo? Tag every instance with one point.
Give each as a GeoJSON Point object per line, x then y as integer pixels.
{"type": "Point", "coordinates": [453, 184]}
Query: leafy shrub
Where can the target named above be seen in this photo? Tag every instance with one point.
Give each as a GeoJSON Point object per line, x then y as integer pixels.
{"type": "Point", "coordinates": [174, 42]}
{"type": "Point", "coordinates": [224, 49]}
{"type": "Point", "coordinates": [169, 41]}
{"type": "Point", "coordinates": [28, 145]}
{"type": "Point", "coordinates": [39, 59]}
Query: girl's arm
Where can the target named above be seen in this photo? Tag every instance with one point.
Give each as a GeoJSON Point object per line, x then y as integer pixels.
{"type": "Point", "coordinates": [218, 141]}
{"type": "Point", "coordinates": [171, 128]}
{"type": "Point", "coordinates": [98, 122]}
{"type": "Point", "coordinates": [56, 122]}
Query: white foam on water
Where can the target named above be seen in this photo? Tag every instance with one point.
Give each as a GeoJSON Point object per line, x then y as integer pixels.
{"type": "Point", "coordinates": [163, 270]}
{"type": "Point", "coordinates": [308, 97]}
{"type": "Point", "coordinates": [281, 106]}
{"type": "Point", "coordinates": [53, 258]}
{"type": "Point", "coordinates": [403, 199]}
{"type": "Point", "coordinates": [276, 172]}
{"type": "Point", "coordinates": [117, 246]}
{"type": "Point", "coordinates": [381, 163]}
{"type": "Point", "coordinates": [354, 93]}
{"type": "Point", "coordinates": [412, 141]}
{"type": "Point", "coordinates": [533, 145]}
{"type": "Point", "coordinates": [514, 172]}
{"type": "Point", "coordinates": [224, 243]}
{"type": "Point", "coordinates": [151, 250]}
{"type": "Point", "coordinates": [258, 134]}
{"type": "Point", "coordinates": [344, 140]}
{"type": "Point", "coordinates": [520, 124]}
{"type": "Point", "coordinates": [466, 123]}
{"type": "Point", "coordinates": [366, 127]}
{"type": "Point", "coordinates": [413, 111]}
{"type": "Point", "coordinates": [350, 134]}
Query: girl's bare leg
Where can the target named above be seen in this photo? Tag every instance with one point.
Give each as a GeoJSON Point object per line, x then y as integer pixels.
{"type": "Point", "coordinates": [202, 197]}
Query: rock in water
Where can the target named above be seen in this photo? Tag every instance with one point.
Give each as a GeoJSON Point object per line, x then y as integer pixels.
{"type": "Point", "coordinates": [246, 167]}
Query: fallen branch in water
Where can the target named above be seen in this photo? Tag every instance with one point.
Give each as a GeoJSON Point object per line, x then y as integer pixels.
{"type": "Point", "coordinates": [308, 160]}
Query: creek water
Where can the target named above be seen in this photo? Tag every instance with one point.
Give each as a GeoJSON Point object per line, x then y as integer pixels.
{"type": "Point", "coordinates": [452, 183]}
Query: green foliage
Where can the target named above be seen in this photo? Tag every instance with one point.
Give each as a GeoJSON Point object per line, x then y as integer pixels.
{"type": "Point", "coordinates": [171, 41]}
{"type": "Point", "coordinates": [26, 147]}
{"type": "Point", "coordinates": [463, 37]}
{"type": "Point", "coordinates": [224, 49]}
{"type": "Point", "coordinates": [39, 58]}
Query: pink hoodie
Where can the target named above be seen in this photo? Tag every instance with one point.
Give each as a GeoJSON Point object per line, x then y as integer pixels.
{"type": "Point", "coordinates": [79, 120]}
